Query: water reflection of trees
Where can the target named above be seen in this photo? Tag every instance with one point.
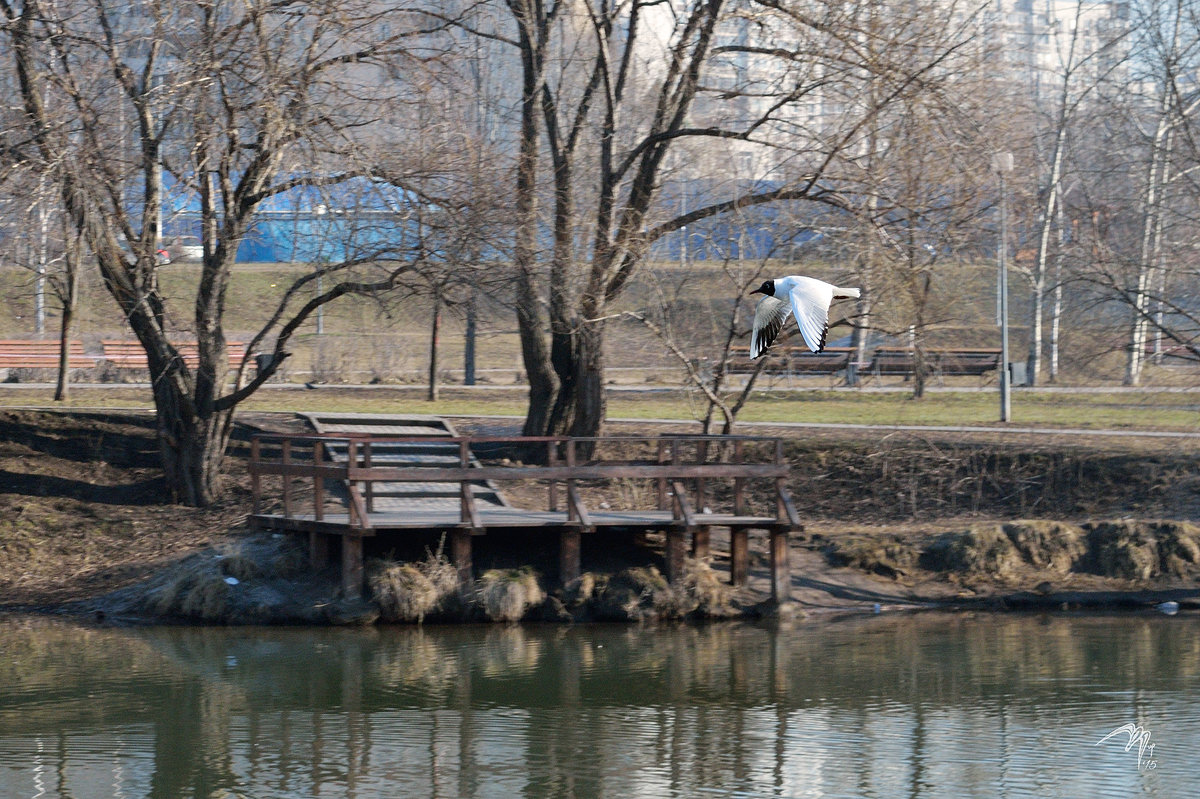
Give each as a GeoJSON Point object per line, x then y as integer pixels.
{"type": "Point", "coordinates": [554, 711]}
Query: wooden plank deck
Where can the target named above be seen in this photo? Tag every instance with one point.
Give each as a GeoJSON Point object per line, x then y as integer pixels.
{"type": "Point", "coordinates": [427, 518]}
{"type": "Point", "coordinates": [375, 476]}
{"type": "Point", "coordinates": [401, 497]}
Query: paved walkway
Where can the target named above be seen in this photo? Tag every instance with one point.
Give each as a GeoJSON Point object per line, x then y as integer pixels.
{"type": "Point", "coordinates": [893, 427]}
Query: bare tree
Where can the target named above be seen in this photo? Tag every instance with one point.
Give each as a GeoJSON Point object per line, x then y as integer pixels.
{"type": "Point", "coordinates": [1139, 188]}
{"type": "Point", "coordinates": [1080, 68]}
{"type": "Point", "coordinates": [53, 254]}
{"type": "Point", "coordinates": [701, 334]}
{"type": "Point", "coordinates": [226, 106]}
{"type": "Point", "coordinates": [609, 90]}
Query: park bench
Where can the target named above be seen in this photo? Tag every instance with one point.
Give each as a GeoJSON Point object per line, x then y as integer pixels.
{"type": "Point", "coordinates": [942, 362]}
{"type": "Point", "coordinates": [965, 361]}
{"type": "Point", "coordinates": [794, 360]}
{"type": "Point", "coordinates": [40, 354]}
{"type": "Point", "coordinates": [1171, 349]}
{"type": "Point", "coordinates": [131, 355]}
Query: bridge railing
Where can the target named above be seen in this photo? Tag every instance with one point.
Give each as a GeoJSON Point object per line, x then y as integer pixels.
{"type": "Point", "coordinates": [682, 469]}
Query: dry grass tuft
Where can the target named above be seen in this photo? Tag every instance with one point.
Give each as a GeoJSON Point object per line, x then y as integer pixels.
{"type": "Point", "coordinates": [506, 594]}
{"type": "Point", "coordinates": [643, 594]}
{"type": "Point", "coordinates": [198, 592]}
{"type": "Point", "coordinates": [888, 555]}
{"type": "Point", "coordinates": [240, 565]}
{"type": "Point", "coordinates": [981, 549]}
{"type": "Point", "coordinates": [713, 596]}
{"type": "Point", "coordinates": [582, 590]}
{"type": "Point", "coordinates": [207, 598]}
{"type": "Point", "coordinates": [1052, 545]}
{"type": "Point", "coordinates": [1140, 550]}
{"type": "Point", "coordinates": [408, 592]}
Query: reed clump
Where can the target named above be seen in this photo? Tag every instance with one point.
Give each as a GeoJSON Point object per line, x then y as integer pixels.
{"type": "Point", "coordinates": [980, 549]}
{"type": "Point", "coordinates": [714, 597]}
{"type": "Point", "coordinates": [1048, 545]}
{"type": "Point", "coordinates": [642, 593]}
{"type": "Point", "coordinates": [886, 555]}
{"type": "Point", "coordinates": [1127, 549]}
{"type": "Point", "coordinates": [245, 582]}
{"type": "Point", "coordinates": [508, 594]}
{"type": "Point", "coordinates": [197, 591]}
{"type": "Point", "coordinates": [1142, 549]}
{"type": "Point", "coordinates": [408, 592]}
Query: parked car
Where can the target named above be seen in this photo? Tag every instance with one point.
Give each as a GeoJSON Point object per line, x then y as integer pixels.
{"type": "Point", "coordinates": [186, 248]}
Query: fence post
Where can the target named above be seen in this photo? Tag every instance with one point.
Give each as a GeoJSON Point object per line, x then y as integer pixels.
{"type": "Point", "coordinates": [286, 460]}
{"type": "Point", "coordinates": [739, 483]}
{"type": "Point", "coordinates": [701, 535]}
{"type": "Point", "coordinates": [370, 492]}
{"type": "Point", "coordinates": [318, 481]}
{"type": "Point", "coordinates": [255, 480]}
{"type": "Point", "coordinates": [662, 481]}
{"type": "Point", "coordinates": [352, 565]}
{"type": "Point", "coordinates": [570, 480]}
{"type": "Point", "coordinates": [552, 461]}
{"type": "Point", "coordinates": [466, 510]}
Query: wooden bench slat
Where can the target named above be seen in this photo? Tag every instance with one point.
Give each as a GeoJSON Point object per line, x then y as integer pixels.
{"type": "Point", "coordinates": [796, 359]}
{"type": "Point", "coordinates": [41, 354]}
{"type": "Point", "coordinates": [131, 355]}
{"type": "Point", "coordinates": [941, 361]}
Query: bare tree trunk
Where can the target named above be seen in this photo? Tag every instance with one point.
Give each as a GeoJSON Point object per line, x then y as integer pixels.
{"type": "Point", "coordinates": [43, 250]}
{"type": "Point", "coordinates": [435, 324]}
{"type": "Point", "coordinates": [191, 445]}
{"type": "Point", "coordinates": [1048, 218]}
{"type": "Point", "coordinates": [543, 386]}
{"type": "Point", "coordinates": [920, 369]}
{"type": "Point", "coordinates": [590, 396]}
{"type": "Point", "coordinates": [1057, 301]}
{"type": "Point", "coordinates": [1150, 251]}
{"type": "Point", "coordinates": [70, 295]}
{"type": "Point", "coordinates": [469, 341]}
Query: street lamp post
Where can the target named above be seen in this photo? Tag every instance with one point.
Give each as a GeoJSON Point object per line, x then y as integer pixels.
{"type": "Point", "coordinates": [1003, 164]}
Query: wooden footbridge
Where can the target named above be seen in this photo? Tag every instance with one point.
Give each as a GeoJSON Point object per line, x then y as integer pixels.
{"type": "Point", "coordinates": [360, 476]}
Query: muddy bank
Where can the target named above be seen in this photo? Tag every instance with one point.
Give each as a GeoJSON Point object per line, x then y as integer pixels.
{"type": "Point", "coordinates": [1026, 564]}
{"type": "Point", "coordinates": [894, 521]}
{"type": "Point", "coordinates": [904, 477]}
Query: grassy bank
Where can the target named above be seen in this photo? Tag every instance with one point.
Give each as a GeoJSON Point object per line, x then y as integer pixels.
{"type": "Point", "coordinates": [387, 338]}
{"type": "Point", "coordinates": [83, 517]}
{"type": "Point", "coordinates": [1125, 410]}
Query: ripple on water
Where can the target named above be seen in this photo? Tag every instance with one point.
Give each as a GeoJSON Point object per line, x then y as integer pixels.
{"type": "Point", "coordinates": [929, 707]}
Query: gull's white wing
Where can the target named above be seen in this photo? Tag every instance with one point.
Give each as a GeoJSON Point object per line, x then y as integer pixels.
{"type": "Point", "coordinates": [769, 316]}
{"type": "Point", "coordinates": [810, 302]}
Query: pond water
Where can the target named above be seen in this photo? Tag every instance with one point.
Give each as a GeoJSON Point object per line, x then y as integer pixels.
{"type": "Point", "coordinates": [929, 705]}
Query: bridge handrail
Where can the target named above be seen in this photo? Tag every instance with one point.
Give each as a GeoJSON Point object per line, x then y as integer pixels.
{"type": "Point", "coordinates": [668, 469]}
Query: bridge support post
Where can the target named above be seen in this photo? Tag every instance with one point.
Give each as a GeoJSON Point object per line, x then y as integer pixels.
{"type": "Point", "coordinates": [318, 550]}
{"type": "Point", "coordinates": [739, 556]}
{"type": "Point", "coordinates": [460, 553]}
{"type": "Point", "coordinates": [781, 572]}
{"type": "Point", "coordinates": [569, 549]}
{"type": "Point", "coordinates": [676, 550]}
{"type": "Point", "coordinates": [352, 566]}
{"type": "Point", "coordinates": [701, 543]}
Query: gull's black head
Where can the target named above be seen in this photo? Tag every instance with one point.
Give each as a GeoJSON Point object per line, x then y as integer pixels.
{"type": "Point", "coordinates": [768, 288]}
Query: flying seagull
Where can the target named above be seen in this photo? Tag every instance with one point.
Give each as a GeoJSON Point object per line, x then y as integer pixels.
{"type": "Point", "coordinates": [807, 298]}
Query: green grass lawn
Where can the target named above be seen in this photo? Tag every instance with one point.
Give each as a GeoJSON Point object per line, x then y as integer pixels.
{"type": "Point", "coordinates": [1133, 410]}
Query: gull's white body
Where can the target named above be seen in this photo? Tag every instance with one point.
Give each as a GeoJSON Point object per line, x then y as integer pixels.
{"type": "Point", "coordinates": [807, 298]}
